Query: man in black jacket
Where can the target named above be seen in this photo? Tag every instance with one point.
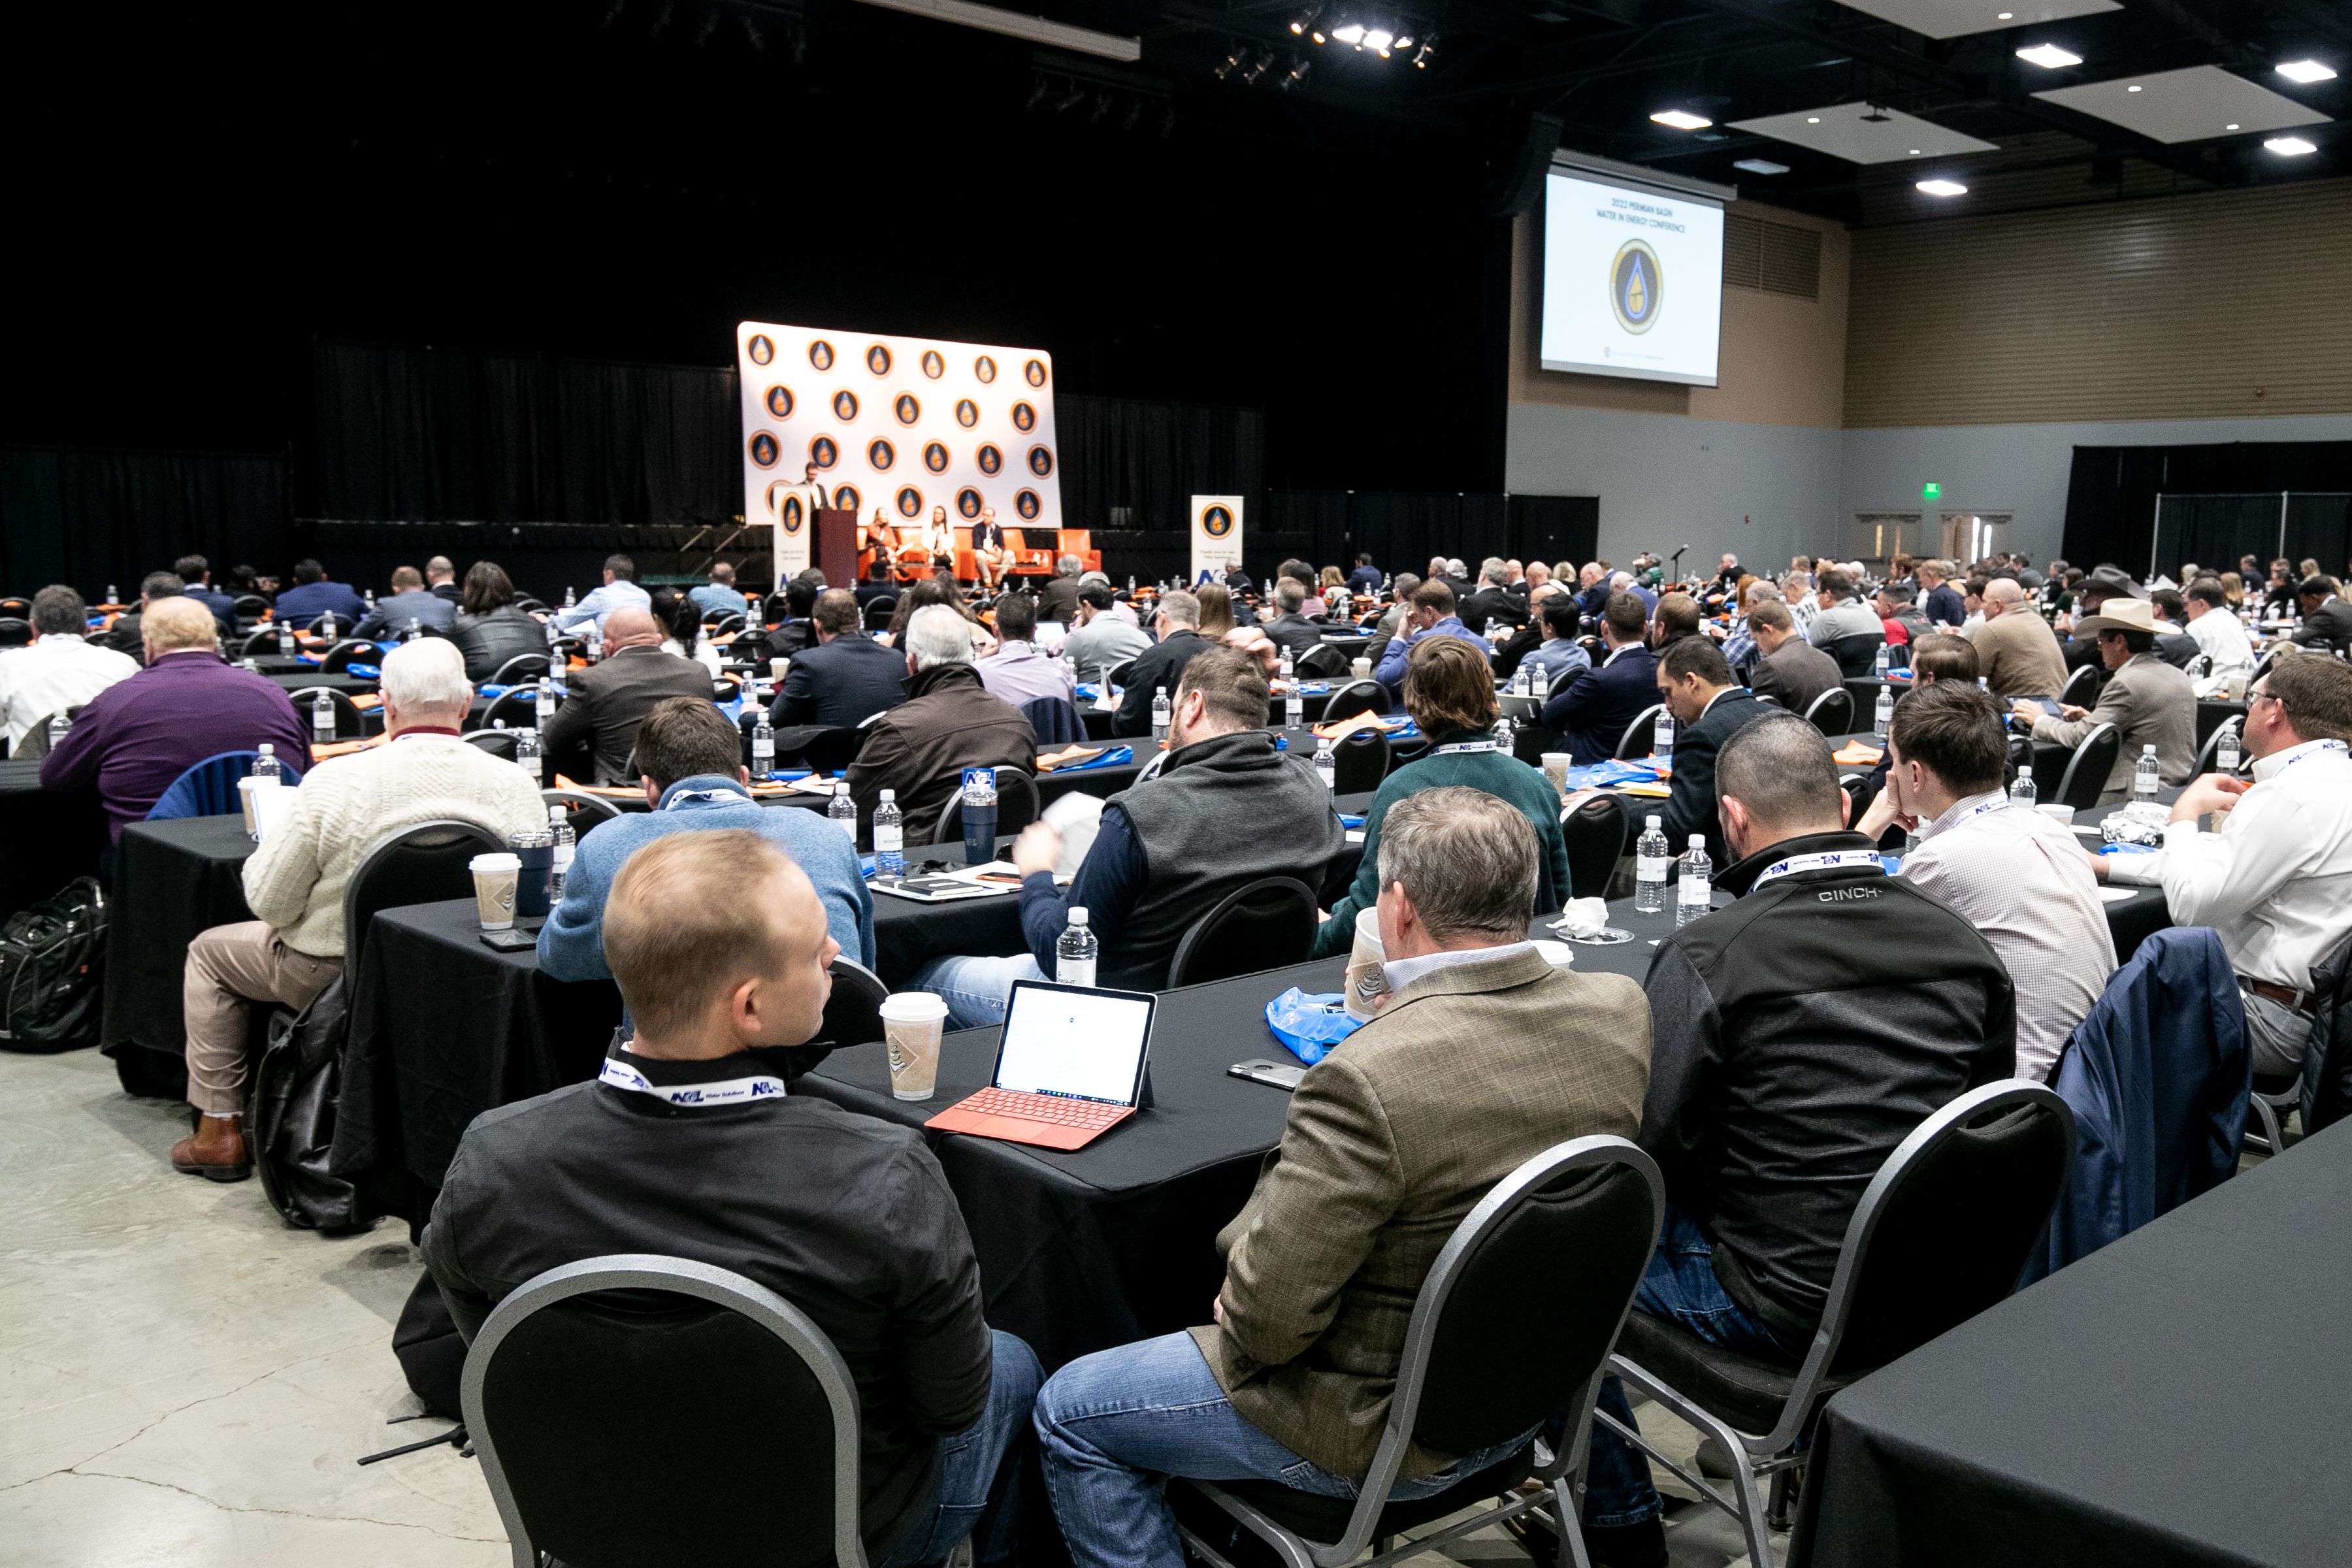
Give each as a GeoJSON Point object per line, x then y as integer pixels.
{"type": "Point", "coordinates": [1291, 629]}
{"type": "Point", "coordinates": [607, 701]}
{"type": "Point", "coordinates": [1177, 624]}
{"type": "Point", "coordinates": [1797, 1037]}
{"type": "Point", "coordinates": [848, 678]}
{"type": "Point", "coordinates": [1494, 600]}
{"type": "Point", "coordinates": [689, 1145]}
{"type": "Point", "coordinates": [2327, 618]}
{"type": "Point", "coordinates": [1709, 707]}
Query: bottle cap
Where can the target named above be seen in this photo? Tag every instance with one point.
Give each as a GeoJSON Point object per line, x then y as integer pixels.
{"type": "Point", "coordinates": [1651, 821]}
{"type": "Point", "coordinates": [2025, 773]}
{"type": "Point", "coordinates": [889, 795]}
{"type": "Point", "coordinates": [2148, 750]}
{"type": "Point", "coordinates": [267, 749]}
{"type": "Point", "coordinates": [841, 786]}
{"type": "Point", "coordinates": [1078, 914]}
{"type": "Point", "coordinates": [1698, 840]}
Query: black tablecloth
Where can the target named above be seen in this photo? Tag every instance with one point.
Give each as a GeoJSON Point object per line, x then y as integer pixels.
{"type": "Point", "coordinates": [2178, 1397]}
{"type": "Point", "coordinates": [442, 1029]}
{"type": "Point", "coordinates": [173, 880]}
{"type": "Point", "coordinates": [45, 840]}
{"type": "Point", "coordinates": [349, 685]}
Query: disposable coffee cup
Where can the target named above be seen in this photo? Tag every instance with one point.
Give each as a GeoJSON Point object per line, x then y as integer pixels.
{"type": "Point", "coordinates": [2065, 815]}
{"type": "Point", "coordinates": [912, 1021]}
{"type": "Point", "coordinates": [1368, 980]}
{"type": "Point", "coordinates": [1555, 766]}
{"type": "Point", "coordinates": [1361, 668]}
{"type": "Point", "coordinates": [495, 877]}
{"type": "Point", "coordinates": [245, 788]}
{"type": "Point", "coordinates": [777, 668]}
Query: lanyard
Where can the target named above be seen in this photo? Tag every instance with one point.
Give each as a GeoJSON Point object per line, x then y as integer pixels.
{"type": "Point", "coordinates": [1996, 802]}
{"type": "Point", "coordinates": [1459, 746]}
{"type": "Point", "coordinates": [730, 1091]}
{"type": "Point", "coordinates": [2320, 750]}
{"type": "Point", "coordinates": [717, 796]}
{"type": "Point", "coordinates": [1825, 860]}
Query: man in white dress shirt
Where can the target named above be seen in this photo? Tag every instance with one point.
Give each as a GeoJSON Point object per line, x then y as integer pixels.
{"type": "Point", "coordinates": [2017, 875]}
{"type": "Point", "coordinates": [2275, 884]}
{"type": "Point", "coordinates": [2218, 635]}
{"type": "Point", "coordinates": [58, 670]}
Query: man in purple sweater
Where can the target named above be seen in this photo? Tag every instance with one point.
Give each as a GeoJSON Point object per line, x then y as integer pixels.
{"type": "Point", "coordinates": [136, 737]}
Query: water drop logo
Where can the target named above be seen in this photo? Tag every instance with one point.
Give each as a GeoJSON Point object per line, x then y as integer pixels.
{"type": "Point", "coordinates": [908, 408]}
{"type": "Point", "coordinates": [1024, 418]}
{"type": "Point", "coordinates": [933, 365]}
{"type": "Point", "coordinates": [911, 503]}
{"type": "Point", "coordinates": [824, 453]}
{"type": "Point", "coordinates": [935, 456]}
{"type": "Point", "coordinates": [846, 498]}
{"type": "Point", "coordinates": [968, 503]}
{"type": "Point", "coordinates": [967, 413]}
{"type": "Point", "coordinates": [1637, 287]}
{"type": "Point", "coordinates": [845, 406]}
{"type": "Point", "coordinates": [1034, 372]}
{"type": "Point", "coordinates": [780, 402]}
{"type": "Point", "coordinates": [984, 368]}
{"type": "Point", "coordinates": [763, 349]}
{"type": "Point", "coordinates": [1217, 522]}
{"type": "Point", "coordinates": [878, 360]}
{"type": "Point", "coordinates": [821, 355]}
{"type": "Point", "coordinates": [880, 455]}
{"type": "Point", "coordinates": [1027, 504]}
{"type": "Point", "coordinates": [764, 449]}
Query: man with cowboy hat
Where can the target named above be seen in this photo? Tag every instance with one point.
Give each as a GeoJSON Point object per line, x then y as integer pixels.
{"type": "Point", "coordinates": [2149, 702]}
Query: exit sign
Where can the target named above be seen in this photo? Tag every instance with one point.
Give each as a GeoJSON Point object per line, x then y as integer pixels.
{"type": "Point", "coordinates": [1931, 490]}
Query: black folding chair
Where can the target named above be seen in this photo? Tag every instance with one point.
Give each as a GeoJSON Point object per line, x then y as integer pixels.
{"type": "Point", "coordinates": [853, 1013]}
{"type": "Point", "coordinates": [422, 864]}
{"type": "Point", "coordinates": [1017, 807]}
{"type": "Point", "coordinates": [2085, 778]}
{"type": "Point", "coordinates": [2081, 688]}
{"type": "Point", "coordinates": [498, 743]}
{"type": "Point", "coordinates": [521, 668]}
{"type": "Point", "coordinates": [1856, 654]}
{"type": "Point", "coordinates": [350, 724]}
{"type": "Point", "coordinates": [1324, 662]}
{"type": "Point", "coordinates": [340, 657]}
{"type": "Point", "coordinates": [1595, 833]}
{"type": "Point", "coordinates": [879, 612]}
{"type": "Point", "coordinates": [517, 710]}
{"type": "Point", "coordinates": [1360, 761]}
{"type": "Point", "coordinates": [761, 1460]}
{"type": "Point", "coordinates": [582, 810]}
{"type": "Point", "coordinates": [1832, 712]}
{"type": "Point", "coordinates": [1356, 696]}
{"type": "Point", "coordinates": [16, 632]}
{"type": "Point", "coordinates": [1635, 742]}
{"type": "Point", "coordinates": [259, 641]}
{"type": "Point", "coordinates": [1267, 924]}
{"type": "Point", "coordinates": [2209, 754]}
{"type": "Point", "coordinates": [248, 607]}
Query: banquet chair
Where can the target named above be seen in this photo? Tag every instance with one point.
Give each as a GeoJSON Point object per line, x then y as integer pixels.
{"type": "Point", "coordinates": [422, 864]}
{"type": "Point", "coordinates": [498, 743]}
{"type": "Point", "coordinates": [208, 788]}
{"type": "Point", "coordinates": [760, 1457]}
{"type": "Point", "coordinates": [1639, 734]}
{"type": "Point", "coordinates": [2209, 754]}
{"type": "Point", "coordinates": [16, 632]}
{"type": "Point", "coordinates": [2081, 688]}
{"type": "Point", "coordinates": [1356, 696]}
{"type": "Point", "coordinates": [350, 724]}
{"type": "Point", "coordinates": [581, 809]}
{"type": "Point", "coordinates": [250, 606]}
{"type": "Point", "coordinates": [1595, 833]}
{"type": "Point", "coordinates": [1150, 769]}
{"type": "Point", "coordinates": [1265, 925]}
{"type": "Point", "coordinates": [18, 606]}
{"type": "Point", "coordinates": [516, 708]}
{"type": "Point", "coordinates": [260, 640]}
{"type": "Point", "coordinates": [1324, 662]}
{"type": "Point", "coordinates": [1056, 720]}
{"type": "Point", "coordinates": [1017, 807]}
{"type": "Point", "coordinates": [831, 750]}
{"type": "Point", "coordinates": [853, 1013]}
{"type": "Point", "coordinates": [2085, 778]}
{"type": "Point", "coordinates": [1360, 762]}
{"type": "Point", "coordinates": [1511, 1326]}
{"type": "Point", "coordinates": [719, 625]}
{"type": "Point", "coordinates": [529, 605]}
{"type": "Point", "coordinates": [878, 611]}
{"type": "Point", "coordinates": [1940, 1236]}
{"type": "Point", "coordinates": [1832, 712]}
{"type": "Point", "coordinates": [1856, 654]}
{"type": "Point", "coordinates": [36, 743]}
{"type": "Point", "coordinates": [340, 657]}
{"type": "Point", "coordinates": [521, 668]}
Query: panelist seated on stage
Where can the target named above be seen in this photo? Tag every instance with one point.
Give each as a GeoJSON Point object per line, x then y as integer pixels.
{"type": "Point", "coordinates": [1482, 1055]}
{"type": "Point", "coordinates": [928, 544]}
{"type": "Point", "coordinates": [993, 555]}
{"type": "Point", "coordinates": [1591, 711]}
{"type": "Point", "coordinates": [608, 700]}
{"type": "Point", "coordinates": [848, 678]}
{"type": "Point", "coordinates": [294, 883]}
{"type": "Point", "coordinates": [410, 603]}
{"type": "Point", "coordinates": [690, 760]}
{"type": "Point", "coordinates": [948, 722]}
{"type": "Point", "coordinates": [1102, 639]}
{"type": "Point", "coordinates": [689, 1146]}
{"type": "Point", "coordinates": [720, 596]}
{"type": "Point", "coordinates": [1017, 671]}
{"type": "Point", "coordinates": [619, 591]}
{"type": "Point", "coordinates": [1166, 850]}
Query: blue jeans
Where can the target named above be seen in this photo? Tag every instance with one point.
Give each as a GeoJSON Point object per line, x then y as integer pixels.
{"type": "Point", "coordinates": [976, 989]}
{"type": "Point", "coordinates": [1113, 1427]}
{"type": "Point", "coordinates": [1680, 1286]}
{"type": "Point", "coordinates": [979, 1470]}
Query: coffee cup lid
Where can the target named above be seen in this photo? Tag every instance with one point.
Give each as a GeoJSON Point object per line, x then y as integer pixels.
{"type": "Point", "coordinates": [499, 861]}
{"type": "Point", "coordinates": [1368, 925]}
{"type": "Point", "coordinates": [914, 1006]}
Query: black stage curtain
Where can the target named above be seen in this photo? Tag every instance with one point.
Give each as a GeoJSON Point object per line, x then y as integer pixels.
{"type": "Point", "coordinates": [454, 436]}
{"type": "Point", "coordinates": [88, 516]}
{"type": "Point", "coordinates": [1401, 530]}
{"type": "Point", "coordinates": [1133, 467]}
{"type": "Point", "coordinates": [2111, 501]}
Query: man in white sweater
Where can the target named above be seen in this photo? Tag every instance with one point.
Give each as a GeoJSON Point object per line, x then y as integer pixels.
{"type": "Point", "coordinates": [295, 880]}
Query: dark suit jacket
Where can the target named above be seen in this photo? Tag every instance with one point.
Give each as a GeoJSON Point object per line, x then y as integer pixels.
{"type": "Point", "coordinates": [1058, 601]}
{"type": "Point", "coordinates": [2330, 625]}
{"type": "Point", "coordinates": [1295, 633]}
{"type": "Point", "coordinates": [222, 606]}
{"type": "Point", "coordinates": [845, 681]}
{"type": "Point", "coordinates": [1492, 603]}
{"type": "Point", "coordinates": [1691, 808]}
{"type": "Point", "coordinates": [1591, 712]}
{"type": "Point", "coordinates": [1796, 675]}
{"type": "Point", "coordinates": [607, 701]}
{"type": "Point", "coordinates": [1156, 665]}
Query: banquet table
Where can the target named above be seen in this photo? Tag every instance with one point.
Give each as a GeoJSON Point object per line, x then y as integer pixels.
{"type": "Point", "coordinates": [49, 838]}
{"type": "Point", "coordinates": [172, 882]}
{"type": "Point", "coordinates": [2176, 1398]}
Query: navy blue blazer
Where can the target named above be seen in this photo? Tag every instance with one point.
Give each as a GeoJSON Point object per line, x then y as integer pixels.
{"type": "Point", "coordinates": [1591, 712]}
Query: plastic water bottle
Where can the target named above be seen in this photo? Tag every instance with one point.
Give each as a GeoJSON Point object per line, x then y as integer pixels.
{"type": "Point", "coordinates": [842, 811]}
{"type": "Point", "coordinates": [559, 828]}
{"type": "Point", "coordinates": [543, 704]}
{"type": "Point", "coordinates": [2225, 754]}
{"type": "Point", "coordinates": [1294, 705]}
{"type": "Point", "coordinates": [1691, 893]}
{"type": "Point", "coordinates": [979, 816]}
{"type": "Point", "coordinates": [1076, 952]}
{"type": "Point", "coordinates": [286, 639]}
{"type": "Point", "coordinates": [416, 630]}
{"type": "Point", "coordinates": [889, 837]}
{"type": "Point", "coordinates": [595, 646]}
{"type": "Point", "coordinates": [371, 598]}
{"type": "Point", "coordinates": [569, 598]}
{"type": "Point", "coordinates": [112, 596]}
{"type": "Point", "coordinates": [265, 764]}
{"type": "Point", "coordinates": [1650, 870]}
{"type": "Point", "coordinates": [1130, 585]}
{"type": "Point", "coordinates": [322, 719]}
{"type": "Point", "coordinates": [2022, 792]}
{"type": "Point", "coordinates": [763, 745]}
{"type": "Point", "coordinates": [527, 755]}
{"type": "Point", "coordinates": [59, 726]}
{"type": "Point", "coordinates": [2146, 775]}
{"type": "Point", "coordinates": [1883, 712]}
{"type": "Point", "coordinates": [1159, 716]}
{"type": "Point", "coordinates": [1879, 661]}
{"type": "Point", "coordinates": [1327, 765]}
{"type": "Point", "coordinates": [1540, 683]}
{"type": "Point", "coordinates": [1522, 680]}
{"type": "Point", "coordinates": [327, 626]}
{"type": "Point", "coordinates": [1507, 735]}
{"type": "Point", "coordinates": [1662, 740]}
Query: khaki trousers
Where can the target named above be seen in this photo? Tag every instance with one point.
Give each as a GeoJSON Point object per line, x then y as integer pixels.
{"type": "Point", "coordinates": [230, 967]}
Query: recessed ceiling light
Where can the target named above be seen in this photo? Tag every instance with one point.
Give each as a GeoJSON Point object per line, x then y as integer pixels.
{"type": "Point", "coordinates": [2306, 71]}
{"type": "Point", "coordinates": [2049, 56]}
{"type": "Point", "coordinates": [2134, 88]}
{"type": "Point", "coordinates": [2231, 126]}
{"type": "Point", "coordinates": [2289, 146]}
{"type": "Point", "coordinates": [1943, 187]}
{"type": "Point", "coordinates": [1681, 120]}
{"type": "Point", "coordinates": [1915, 152]}
{"type": "Point", "coordinates": [2004, 15]}
{"type": "Point", "coordinates": [1761, 166]}
{"type": "Point", "coordinates": [1812, 120]}
{"type": "Point", "coordinates": [1353, 33]}
{"type": "Point", "coordinates": [1374, 39]}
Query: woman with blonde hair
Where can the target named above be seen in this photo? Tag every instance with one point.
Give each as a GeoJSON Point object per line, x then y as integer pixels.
{"type": "Point", "coordinates": [1216, 609]}
{"type": "Point", "coordinates": [2233, 588]}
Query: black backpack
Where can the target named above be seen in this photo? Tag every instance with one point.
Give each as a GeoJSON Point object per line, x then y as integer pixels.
{"type": "Point", "coordinates": [52, 968]}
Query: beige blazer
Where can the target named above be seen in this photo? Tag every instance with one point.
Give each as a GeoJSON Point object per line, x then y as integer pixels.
{"type": "Point", "coordinates": [2150, 703]}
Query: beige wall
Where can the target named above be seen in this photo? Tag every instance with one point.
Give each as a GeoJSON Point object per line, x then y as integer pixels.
{"type": "Point", "coordinates": [1783, 360]}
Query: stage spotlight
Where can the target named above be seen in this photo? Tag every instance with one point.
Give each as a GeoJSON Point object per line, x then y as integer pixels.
{"type": "Point", "coordinates": [2289, 146]}
{"type": "Point", "coordinates": [1353, 33]}
{"type": "Point", "coordinates": [1404, 40]}
{"type": "Point", "coordinates": [1304, 20]}
{"type": "Point", "coordinates": [1134, 113]}
{"type": "Point", "coordinates": [1298, 70]}
{"type": "Point", "coordinates": [1037, 91]}
{"type": "Point", "coordinates": [1232, 62]}
{"type": "Point", "coordinates": [1379, 38]}
{"type": "Point", "coordinates": [1682, 119]}
{"type": "Point", "coordinates": [1077, 96]}
{"type": "Point", "coordinates": [1258, 69]}
{"type": "Point", "coordinates": [1942, 187]}
{"type": "Point", "coordinates": [1317, 36]}
{"type": "Point", "coordinates": [1428, 47]}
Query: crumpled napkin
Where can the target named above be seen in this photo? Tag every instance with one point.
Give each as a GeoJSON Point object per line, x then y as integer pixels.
{"type": "Point", "coordinates": [1582, 917]}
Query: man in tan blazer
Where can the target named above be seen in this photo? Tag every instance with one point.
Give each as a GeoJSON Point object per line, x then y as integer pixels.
{"type": "Point", "coordinates": [1482, 1056]}
{"type": "Point", "coordinates": [2149, 702]}
{"type": "Point", "coordinates": [2015, 648]}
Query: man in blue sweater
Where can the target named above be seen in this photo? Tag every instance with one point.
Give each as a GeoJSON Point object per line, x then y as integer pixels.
{"type": "Point", "coordinates": [694, 778]}
{"type": "Point", "coordinates": [313, 595]}
{"type": "Point", "coordinates": [1431, 616]}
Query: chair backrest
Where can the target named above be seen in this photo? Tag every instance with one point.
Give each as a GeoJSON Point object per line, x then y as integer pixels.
{"type": "Point", "coordinates": [422, 864]}
{"type": "Point", "coordinates": [2081, 688]}
{"type": "Point", "coordinates": [1832, 712]}
{"type": "Point", "coordinates": [260, 640]}
{"type": "Point", "coordinates": [1356, 696]}
{"type": "Point", "coordinates": [16, 632]}
{"type": "Point", "coordinates": [732, 622]}
{"type": "Point", "coordinates": [1856, 654]}
{"type": "Point", "coordinates": [1267, 924]}
{"type": "Point", "coordinates": [1360, 762]}
{"type": "Point", "coordinates": [36, 743]}
{"type": "Point", "coordinates": [832, 751]}
{"type": "Point", "coordinates": [499, 744]}
{"type": "Point", "coordinates": [1017, 807]}
{"type": "Point", "coordinates": [1636, 740]}
{"type": "Point", "coordinates": [1325, 660]}
{"type": "Point", "coordinates": [879, 610]}
{"type": "Point", "coordinates": [343, 654]}
{"type": "Point", "coordinates": [16, 604]}
{"type": "Point", "coordinates": [246, 605]}
{"type": "Point", "coordinates": [518, 708]}
{"type": "Point", "coordinates": [349, 723]}
{"type": "Point", "coordinates": [1152, 766]}
{"type": "Point", "coordinates": [2209, 754]}
{"type": "Point", "coordinates": [1055, 720]}
{"type": "Point", "coordinates": [522, 667]}
{"type": "Point", "coordinates": [208, 788]}
{"type": "Point", "coordinates": [583, 810]}
{"type": "Point", "coordinates": [2085, 777]}
{"type": "Point", "coordinates": [1595, 833]}
{"type": "Point", "coordinates": [759, 1456]}
{"type": "Point", "coordinates": [853, 1013]}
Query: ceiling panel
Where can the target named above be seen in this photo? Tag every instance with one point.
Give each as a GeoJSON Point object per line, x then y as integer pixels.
{"type": "Point", "coordinates": [1840, 130]}
{"type": "Point", "coordinates": [2185, 105]}
{"type": "Point", "coordinates": [1956, 18]}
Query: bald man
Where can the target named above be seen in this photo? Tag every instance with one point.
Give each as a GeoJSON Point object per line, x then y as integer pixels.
{"type": "Point", "coordinates": [610, 699]}
{"type": "Point", "coordinates": [2016, 649]}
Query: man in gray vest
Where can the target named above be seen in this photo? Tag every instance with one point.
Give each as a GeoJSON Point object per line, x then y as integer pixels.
{"type": "Point", "coordinates": [1167, 850]}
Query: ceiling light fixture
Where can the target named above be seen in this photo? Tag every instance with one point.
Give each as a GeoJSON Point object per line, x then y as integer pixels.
{"type": "Point", "coordinates": [1404, 40]}
{"type": "Point", "coordinates": [1681, 120]}
{"type": "Point", "coordinates": [1761, 166]}
{"type": "Point", "coordinates": [1378, 38]}
{"type": "Point", "coordinates": [2049, 56]}
{"type": "Point", "coordinates": [1298, 70]}
{"type": "Point", "coordinates": [1942, 187]}
{"type": "Point", "coordinates": [1012, 24]}
{"type": "Point", "coordinates": [2306, 71]}
{"type": "Point", "coordinates": [1915, 152]}
{"type": "Point", "coordinates": [2004, 15]}
{"type": "Point", "coordinates": [2231, 126]}
{"type": "Point", "coordinates": [1421, 60]}
{"type": "Point", "coordinates": [1353, 33]}
{"type": "Point", "coordinates": [1812, 120]}
{"type": "Point", "coordinates": [1305, 19]}
{"type": "Point", "coordinates": [2133, 88]}
{"type": "Point", "coordinates": [2289, 146]}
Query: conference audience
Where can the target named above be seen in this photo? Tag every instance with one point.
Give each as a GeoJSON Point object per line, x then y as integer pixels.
{"type": "Point", "coordinates": [1165, 851]}
{"type": "Point", "coordinates": [490, 628]}
{"type": "Point", "coordinates": [2219, 638]}
{"type": "Point", "coordinates": [1591, 714]}
{"type": "Point", "coordinates": [409, 606]}
{"type": "Point", "coordinates": [1393, 619]}
{"type": "Point", "coordinates": [719, 596]}
{"type": "Point", "coordinates": [1017, 671]}
{"type": "Point", "coordinates": [441, 578]}
{"type": "Point", "coordinates": [58, 669]}
{"type": "Point", "coordinates": [1943, 607]}
{"type": "Point", "coordinates": [1494, 600]}
{"type": "Point", "coordinates": [294, 883]}
{"type": "Point", "coordinates": [1709, 707]}
{"type": "Point", "coordinates": [313, 595]}
{"type": "Point", "coordinates": [2147, 700]}
{"type": "Point", "coordinates": [1292, 1378]}
{"type": "Point", "coordinates": [1676, 616]}
{"type": "Point", "coordinates": [1799, 1034]}
{"type": "Point", "coordinates": [2327, 617]}
{"type": "Point", "coordinates": [124, 637]}
{"type": "Point", "coordinates": [1366, 578]}
{"type": "Point", "coordinates": [1176, 623]}
{"type": "Point", "coordinates": [845, 679]}
{"type": "Point", "coordinates": [1561, 656]}
{"type": "Point", "coordinates": [1059, 598]}
{"type": "Point", "coordinates": [2274, 883]}
{"type": "Point", "coordinates": [948, 722]}
{"type": "Point", "coordinates": [619, 591]}
{"type": "Point", "coordinates": [1788, 669]}
{"type": "Point", "coordinates": [606, 701]}
{"type": "Point", "coordinates": [2015, 874]}
{"type": "Point", "coordinates": [1289, 626]}
{"type": "Point", "coordinates": [1841, 614]}
{"type": "Point", "coordinates": [688, 1145]}
{"type": "Point", "coordinates": [2017, 650]}
{"type": "Point", "coordinates": [1432, 617]}
{"type": "Point", "coordinates": [796, 633]}
{"type": "Point", "coordinates": [1449, 693]}
{"type": "Point", "coordinates": [1739, 649]}
{"type": "Point", "coordinates": [131, 740]}
{"type": "Point", "coordinates": [690, 758]}
{"type": "Point", "coordinates": [1102, 641]}
{"type": "Point", "coordinates": [196, 574]}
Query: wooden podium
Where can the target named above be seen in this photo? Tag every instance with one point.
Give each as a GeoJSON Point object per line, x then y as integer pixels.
{"type": "Point", "coordinates": [837, 546]}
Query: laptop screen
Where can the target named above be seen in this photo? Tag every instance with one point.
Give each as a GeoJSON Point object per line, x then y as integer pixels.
{"type": "Point", "coordinates": [1074, 1041]}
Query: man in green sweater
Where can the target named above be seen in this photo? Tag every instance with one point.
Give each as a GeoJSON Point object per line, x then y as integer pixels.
{"type": "Point", "coordinates": [1449, 689]}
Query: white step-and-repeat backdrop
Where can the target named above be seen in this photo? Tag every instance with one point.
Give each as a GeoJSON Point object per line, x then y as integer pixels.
{"type": "Point", "coordinates": [901, 424]}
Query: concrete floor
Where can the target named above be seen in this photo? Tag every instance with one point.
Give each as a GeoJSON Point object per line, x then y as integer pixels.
{"type": "Point", "coordinates": [185, 1381]}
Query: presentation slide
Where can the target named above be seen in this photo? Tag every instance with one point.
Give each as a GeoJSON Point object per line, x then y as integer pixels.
{"type": "Point", "coordinates": [1633, 280]}
{"type": "Point", "coordinates": [1073, 1043]}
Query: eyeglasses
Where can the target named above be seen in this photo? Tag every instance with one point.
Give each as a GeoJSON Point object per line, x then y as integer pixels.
{"type": "Point", "coordinates": [2261, 696]}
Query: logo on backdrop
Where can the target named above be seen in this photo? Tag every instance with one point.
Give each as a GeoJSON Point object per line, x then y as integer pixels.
{"type": "Point", "coordinates": [968, 502]}
{"type": "Point", "coordinates": [1024, 418]}
{"type": "Point", "coordinates": [906, 408]}
{"type": "Point", "coordinates": [1034, 372]}
{"type": "Point", "coordinates": [878, 360]}
{"type": "Point", "coordinates": [780, 402]}
{"type": "Point", "coordinates": [788, 511]}
{"type": "Point", "coordinates": [935, 456]}
{"type": "Point", "coordinates": [984, 368]}
{"type": "Point", "coordinates": [762, 349]}
{"type": "Point", "coordinates": [933, 365]}
{"type": "Point", "coordinates": [967, 413]}
{"type": "Point", "coordinates": [1027, 504]}
{"type": "Point", "coordinates": [845, 405]}
{"type": "Point", "coordinates": [989, 460]}
{"type": "Point", "coordinates": [911, 501]}
{"type": "Point", "coordinates": [824, 453]}
{"type": "Point", "coordinates": [1637, 286]}
{"type": "Point", "coordinates": [846, 498]}
{"type": "Point", "coordinates": [821, 355]}
{"type": "Point", "coordinates": [880, 454]}
{"type": "Point", "coordinates": [764, 450]}
{"type": "Point", "coordinates": [1041, 461]}
{"type": "Point", "coordinates": [1216, 523]}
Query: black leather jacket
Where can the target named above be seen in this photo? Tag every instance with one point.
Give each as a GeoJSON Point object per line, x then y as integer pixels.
{"type": "Point", "coordinates": [489, 641]}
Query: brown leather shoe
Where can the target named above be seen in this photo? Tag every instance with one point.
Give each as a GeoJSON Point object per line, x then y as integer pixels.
{"type": "Point", "coordinates": [216, 1153]}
